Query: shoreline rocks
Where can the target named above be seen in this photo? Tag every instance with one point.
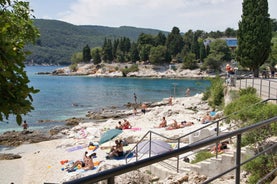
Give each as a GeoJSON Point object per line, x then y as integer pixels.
{"type": "Point", "coordinates": [147, 71]}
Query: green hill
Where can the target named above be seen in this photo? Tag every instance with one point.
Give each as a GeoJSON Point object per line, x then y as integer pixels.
{"type": "Point", "coordinates": [59, 40]}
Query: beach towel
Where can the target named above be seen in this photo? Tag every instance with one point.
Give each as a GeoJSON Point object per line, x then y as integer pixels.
{"type": "Point", "coordinates": [75, 148]}
{"type": "Point", "coordinates": [135, 129]}
{"type": "Point", "coordinates": [96, 164]}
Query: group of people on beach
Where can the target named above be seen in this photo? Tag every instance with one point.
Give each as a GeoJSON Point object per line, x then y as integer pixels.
{"type": "Point", "coordinates": [174, 125]}
{"type": "Point", "coordinates": [125, 125]}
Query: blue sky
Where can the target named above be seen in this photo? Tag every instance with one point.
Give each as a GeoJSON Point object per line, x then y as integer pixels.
{"type": "Point", "coordinates": [207, 15]}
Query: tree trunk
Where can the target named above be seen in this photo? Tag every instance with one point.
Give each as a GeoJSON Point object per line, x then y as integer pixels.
{"type": "Point", "coordinates": [256, 72]}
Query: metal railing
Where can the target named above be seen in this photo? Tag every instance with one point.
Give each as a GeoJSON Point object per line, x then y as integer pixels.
{"type": "Point", "coordinates": [151, 134]}
{"type": "Point", "coordinates": [266, 88]}
{"type": "Point", "coordinates": [111, 173]}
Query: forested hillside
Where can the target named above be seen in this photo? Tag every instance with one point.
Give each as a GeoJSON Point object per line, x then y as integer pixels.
{"type": "Point", "coordinates": [59, 40]}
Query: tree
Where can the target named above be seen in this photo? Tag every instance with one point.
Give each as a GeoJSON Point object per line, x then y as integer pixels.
{"type": "Point", "coordinates": [220, 47]}
{"type": "Point", "coordinates": [254, 35]}
{"type": "Point", "coordinates": [86, 54]}
{"type": "Point", "coordinates": [16, 31]}
{"type": "Point", "coordinates": [229, 32]}
{"type": "Point", "coordinates": [174, 42]}
{"type": "Point", "coordinates": [134, 52]}
{"type": "Point", "coordinates": [274, 25]}
{"type": "Point", "coordinates": [77, 57]}
{"type": "Point", "coordinates": [107, 50]}
{"type": "Point", "coordinates": [95, 53]}
{"type": "Point", "coordinates": [158, 55]}
{"type": "Point", "coordinates": [160, 39]}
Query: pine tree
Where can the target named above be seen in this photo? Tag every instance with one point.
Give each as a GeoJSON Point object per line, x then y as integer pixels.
{"type": "Point", "coordinates": [86, 54]}
{"type": "Point", "coordinates": [254, 35]}
{"type": "Point", "coordinates": [174, 42]}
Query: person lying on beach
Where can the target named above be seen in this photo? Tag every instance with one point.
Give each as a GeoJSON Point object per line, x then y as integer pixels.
{"type": "Point", "coordinates": [186, 123]}
{"type": "Point", "coordinates": [86, 163]}
{"type": "Point", "coordinates": [173, 126]}
{"type": "Point", "coordinates": [117, 150]}
{"type": "Point", "coordinates": [119, 126]}
{"type": "Point", "coordinates": [162, 124]}
{"type": "Point", "coordinates": [126, 124]}
{"type": "Point", "coordinates": [206, 119]}
{"type": "Point", "coordinates": [220, 147]}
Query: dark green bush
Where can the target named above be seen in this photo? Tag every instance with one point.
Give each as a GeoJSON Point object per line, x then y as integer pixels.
{"type": "Point", "coordinates": [133, 68]}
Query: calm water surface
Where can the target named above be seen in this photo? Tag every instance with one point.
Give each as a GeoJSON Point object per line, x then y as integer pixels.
{"type": "Point", "coordinates": [58, 94]}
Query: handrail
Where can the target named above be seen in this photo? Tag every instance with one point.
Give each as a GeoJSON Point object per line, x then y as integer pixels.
{"type": "Point", "coordinates": [266, 88]}
{"type": "Point", "coordinates": [179, 138]}
{"type": "Point", "coordinates": [111, 173]}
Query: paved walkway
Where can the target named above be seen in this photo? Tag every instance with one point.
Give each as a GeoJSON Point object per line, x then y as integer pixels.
{"type": "Point", "coordinates": [266, 88]}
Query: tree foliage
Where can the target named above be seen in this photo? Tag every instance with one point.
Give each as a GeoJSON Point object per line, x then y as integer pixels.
{"type": "Point", "coordinates": [215, 93]}
{"type": "Point", "coordinates": [158, 55]}
{"type": "Point", "coordinates": [86, 54]}
{"type": "Point", "coordinates": [16, 30]}
{"type": "Point", "coordinates": [174, 42]}
{"type": "Point", "coordinates": [246, 110]}
{"type": "Point", "coordinates": [254, 35]}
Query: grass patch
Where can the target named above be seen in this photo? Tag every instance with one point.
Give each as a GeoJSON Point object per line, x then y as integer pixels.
{"type": "Point", "coordinates": [202, 155]}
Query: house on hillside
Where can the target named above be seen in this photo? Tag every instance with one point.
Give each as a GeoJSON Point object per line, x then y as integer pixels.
{"type": "Point", "coordinates": [231, 42]}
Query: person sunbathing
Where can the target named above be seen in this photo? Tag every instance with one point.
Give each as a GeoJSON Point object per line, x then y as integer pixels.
{"type": "Point", "coordinates": [117, 150]}
{"type": "Point", "coordinates": [172, 126]}
{"type": "Point", "coordinates": [206, 119]}
{"type": "Point", "coordinates": [220, 147]}
{"type": "Point", "coordinates": [162, 124]}
{"type": "Point", "coordinates": [126, 125]}
{"type": "Point", "coordinates": [86, 163]}
{"type": "Point", "coordinates": [119, 126]}
{"type": "Point", "coordinates": [186, 123]}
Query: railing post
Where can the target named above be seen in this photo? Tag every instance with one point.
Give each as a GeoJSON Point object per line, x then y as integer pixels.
{"type": "Point", "coordinates": [178, 157]}
{"type": "Point", "coordinates": [261, 85]}
{"type": "Point", "coordinates": [269, 89]}
{"type": "Point", "coordinates": [150, 144]}
{"type": "Point", "coordinates": [217, 133]}
{"type": "Point", "coordinates": [111, 180]}
{"type": "Point", "coordinates": [238, 155]}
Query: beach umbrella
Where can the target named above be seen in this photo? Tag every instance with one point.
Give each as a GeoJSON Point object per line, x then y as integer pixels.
{"type": "Point", "coordinates": [109, 135]}
{"type": "Point", "coordinates": [155, 146]}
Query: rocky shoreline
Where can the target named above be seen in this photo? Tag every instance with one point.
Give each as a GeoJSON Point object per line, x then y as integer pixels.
{"type": "Point", "coordinates": [144, 70]}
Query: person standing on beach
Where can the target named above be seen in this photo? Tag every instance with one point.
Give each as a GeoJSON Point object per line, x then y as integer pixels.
{"type": "Point", "coordinates": [170, 100]}
{"type": "Point", "coordinates": [25, 125]}
{"type": "Point", "coordinates": [143, 108]}
{"type": "Point", "coordinates": [135, 98]}
{"type": "Point", "coordinates": [188, 92]}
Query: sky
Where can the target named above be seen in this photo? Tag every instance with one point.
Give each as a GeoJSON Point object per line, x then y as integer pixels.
{"type": "Point", "coordinates": [207, 15]}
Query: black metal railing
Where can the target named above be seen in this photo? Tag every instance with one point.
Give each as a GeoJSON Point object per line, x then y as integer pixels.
{"type": "Point", "coordinates": [150, 134]}
{"type": "Point", "coordinates": [110, 174]}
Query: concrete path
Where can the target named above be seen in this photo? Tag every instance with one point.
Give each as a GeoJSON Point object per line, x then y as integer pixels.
{"type": "Point", "coordinates": [266, 88]}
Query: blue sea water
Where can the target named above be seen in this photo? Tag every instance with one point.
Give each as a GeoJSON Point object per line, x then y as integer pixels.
{"type": "Point", "coordinates": [58, 94]}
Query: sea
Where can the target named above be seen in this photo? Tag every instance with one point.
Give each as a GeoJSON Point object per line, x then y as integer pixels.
{"type": "Point", "coordinates": [64, 97]}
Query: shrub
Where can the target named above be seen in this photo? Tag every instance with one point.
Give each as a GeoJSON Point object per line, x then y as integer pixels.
{"type": "Point", "coordinates": [73, 67]}
{"type": "Point", "coordinates": [215, 93]}
{"type": "Point", "coordinates": [202, 155]}
{"type": "Point", "coordinates": [126, 70]}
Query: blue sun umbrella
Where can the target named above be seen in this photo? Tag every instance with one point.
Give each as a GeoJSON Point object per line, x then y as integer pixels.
{"type": "Point", "coordinates": [109, 135]}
